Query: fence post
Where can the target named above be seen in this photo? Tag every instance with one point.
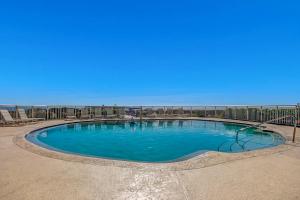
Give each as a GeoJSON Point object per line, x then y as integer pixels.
{"type": "Point", "coordinates": [60, 113]}
{"type": "Point", "coordinates": [235, 113]}
{"type": "Point", "coordinates": [247, 113]}
{"type": "Point", "coordinates": [215, 111]}
{"type": "Point", "coordinates": [284, 114]}
{"type": "Point", "coordinates": [46, 118]}
{"type": "Point", "coordinates": [16, 113]}
{"type": "Point", "coordinates": [261, 115]}
{"type": "Point", "coordinates": [295, 124]}
{"type": "Point", "coordinates": [32, 115]}
{"type": "Point", "coordinates": [277, 115]}
{"type": "Point", "coordinates": [191, 111]}
{"type": "Point", "coordinates": [205, 111]}
{"type": "Point", "coordinates": [141, 113]}
{"type": "Point", "coordinates": [298, 113]}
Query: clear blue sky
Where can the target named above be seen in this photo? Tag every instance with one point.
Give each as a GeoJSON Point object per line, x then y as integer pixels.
{"type": "Point", "coordinates": [150, 52]}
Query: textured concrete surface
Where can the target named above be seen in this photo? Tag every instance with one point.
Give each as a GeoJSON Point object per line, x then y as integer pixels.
{"type": "Point", "coordinates": [28, 175]}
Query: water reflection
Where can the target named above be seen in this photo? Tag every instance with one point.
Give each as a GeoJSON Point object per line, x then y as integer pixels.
{"type": "Point", "coordinates": [180, 123]}
{"type": "Point", "coordinates": [149, 124]}
{"type": "Point", "coordinates": [121, 125]}
{"type": "Point", "coordinates": [161, 123]}
{"type": "Point", "coordinates": [170, 123]}
{"type": "Point", "coordinates": [84, 126]}
{"type": "Point", "coordinates": [70, 126]}
{"type": "Point", "coordinates": [98, 125]}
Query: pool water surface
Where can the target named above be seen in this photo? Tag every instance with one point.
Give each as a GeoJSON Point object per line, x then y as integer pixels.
{"type": "Point", "coordinates": [152, 141]}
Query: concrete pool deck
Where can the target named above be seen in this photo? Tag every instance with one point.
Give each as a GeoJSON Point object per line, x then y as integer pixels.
{"type": "Point", "coordinates": [263, 174]}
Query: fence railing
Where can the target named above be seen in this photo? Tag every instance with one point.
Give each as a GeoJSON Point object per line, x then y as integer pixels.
{"type": "Point", "coordinates": [280, 114]}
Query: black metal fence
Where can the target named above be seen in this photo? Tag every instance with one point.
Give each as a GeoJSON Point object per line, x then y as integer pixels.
{"type": "Point", "coordinates": [277, 114]}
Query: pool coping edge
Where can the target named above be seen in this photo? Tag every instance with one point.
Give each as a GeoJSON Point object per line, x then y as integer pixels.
{"type": "Point", "coordinates": [206, 159]}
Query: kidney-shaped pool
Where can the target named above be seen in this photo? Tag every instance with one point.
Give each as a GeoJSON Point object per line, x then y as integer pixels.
{"type": "Point", "coordinates": [152, 141]}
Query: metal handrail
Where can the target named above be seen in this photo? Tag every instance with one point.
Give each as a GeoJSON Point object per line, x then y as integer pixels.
{"type": "Point", "coordinates": [258, 125]}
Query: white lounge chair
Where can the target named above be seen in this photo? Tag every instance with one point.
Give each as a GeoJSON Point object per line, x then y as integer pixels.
{"type": "Point", "coordinates": [70, 114]}
{"type": "Point", "coordinates": [8, 120]}
{"type": "Point", "coordinates": [160, 112]}
{"type": "Point", "coordinates": [23, 116]}
{"type": "Point", "coordinates": [85, 114]}
{"type": "Point", "coordinates": [121, 113]}
{"type": "Point", "coordinates": [110, 113]}
{"type": "Point", "coordinates": [180, 113]}
{"type": "Point", "coordinates": [98, 113]}
{"type": "Point", "coordinates": [169, 113]}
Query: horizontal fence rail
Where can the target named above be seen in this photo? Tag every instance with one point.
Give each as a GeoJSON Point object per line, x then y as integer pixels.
{"type": "Point", "coordinates": [276, 114]}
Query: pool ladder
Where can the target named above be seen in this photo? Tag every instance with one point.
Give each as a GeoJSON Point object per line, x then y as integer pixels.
{"type": "Point", "coordinates": [236, 141]}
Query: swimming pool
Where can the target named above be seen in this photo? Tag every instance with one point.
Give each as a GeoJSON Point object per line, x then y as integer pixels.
{"type": "Point", "coordinates": [152, 141]}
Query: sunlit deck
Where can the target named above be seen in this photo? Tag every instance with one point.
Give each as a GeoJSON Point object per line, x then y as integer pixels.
{"type": "Point", "coordinates": [34, 173]}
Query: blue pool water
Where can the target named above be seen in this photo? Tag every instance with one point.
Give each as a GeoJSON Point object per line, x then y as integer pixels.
{"type": "Point", "coordinates": [152, 141]}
